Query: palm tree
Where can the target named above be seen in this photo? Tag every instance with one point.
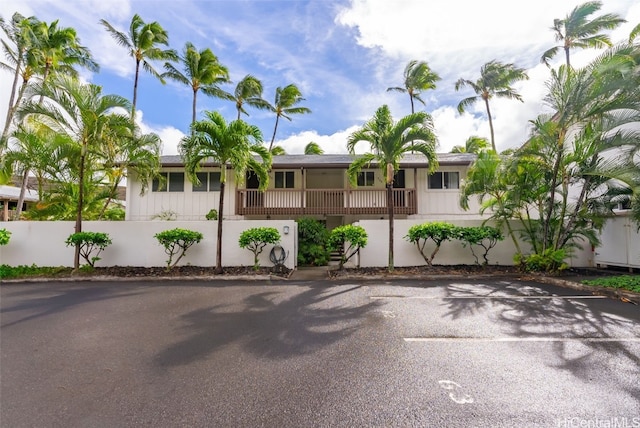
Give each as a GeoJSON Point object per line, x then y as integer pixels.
{"type": "Point", "coordinates": [278, 151]}
{"type": "Point", "coordinates": [388, 142]}
{"type": "Point", "coordinates": [60, 49]}
{"type": "Point", "coordinates": [417, 77]}
{"type": "Point", "coordinates": [137, 154]}
{"type": "Point", "coordinates": [202, 71]}
{"type": "Point", "coordinates": [86, 116]}
{"type": "Point", "coordinates": [313, 149]}
{"type": "Point", "coordinates": [21, 34]}
{"type": "Point", "coordinates": [495, 80]}
{"type": "Point", "coordinates": [249, 91]}
{"type": "Point", "coordinates": [143, 42]}
{"type": "Point", "coordinates": [577, 31]}
{"type": "Point", "coordinates": [474, 144]}
{"type": "Point", "coordinates": [284, 106]}
{"type": "Point", "coordinates": [230, 145]}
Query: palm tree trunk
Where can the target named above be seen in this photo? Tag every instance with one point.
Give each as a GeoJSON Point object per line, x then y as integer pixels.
{"type": "Point", "coordinates": [218, 269]}
{"type": "Point", "coordinates": [193, 106]}
{"type": "Point", "coordinates": [390, 206]}
{"type": "Point", "coordinates": [23, 191]}
{"type": "Point", "coordinates": [273, 137]}
{"type": "Point", "coordinates": [78, 228]}
{"type": "Point", "coordinates": [45, 75]}
{"type": "Point", "coordinates": [552, 192]}
{"type": "Point", "coordinates": [10, 108]}
{"type": "Point", "coordinates": [566, 55]}
{"type": "Point", "coordinates": [493, 139]}
{"type": "Point", "coordinates": [135, 90]}
{"type": "Point", "coordinates": [112, 193]}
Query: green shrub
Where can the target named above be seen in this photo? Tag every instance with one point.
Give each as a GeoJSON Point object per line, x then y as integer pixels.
{"type": "Point", "coordinates": [212, 214]}
{"type": "Point", "coordinates": [256, 238]}
{"type": "Point", "coordinates": [484, 236]}
{"type": "Point", "coordinates": [625, 282]}
{"type": "Point", "coordinates": [177, 241]}
{"type": "Point", "coordinates": [312, 243]}
{"type": "Point", "coordinates": [550, 260]}
{"type": "Point", "coordinates": [438, 232]}
{"type": "Point", "coordinates": [4, 236]}
{"type": "Point", "coordinates": [349, 236]}
{"type": "Point", "coordinates": [7, 271]}
{"type": "Point", "coordinates": [91, 245]}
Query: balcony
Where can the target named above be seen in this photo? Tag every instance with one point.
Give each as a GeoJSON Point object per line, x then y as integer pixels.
{"type": "Point", "coordinates": [293, 202]}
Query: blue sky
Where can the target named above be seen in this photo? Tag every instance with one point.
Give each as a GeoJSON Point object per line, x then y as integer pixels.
{"type": "Point", "coordinates": [342, 54]}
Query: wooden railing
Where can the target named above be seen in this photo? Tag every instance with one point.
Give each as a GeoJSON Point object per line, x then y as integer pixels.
{"type": "Point", "coordinates": [323, 201]}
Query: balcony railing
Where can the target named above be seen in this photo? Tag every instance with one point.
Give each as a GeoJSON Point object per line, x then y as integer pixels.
{"type": "Point", "coordinates": [323, 201]}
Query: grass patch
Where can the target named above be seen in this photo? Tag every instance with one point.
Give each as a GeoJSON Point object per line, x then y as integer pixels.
{"type": "Point", "coordinates": [7, 272]}
{"type": "Point", "coordinates": [623, 282]}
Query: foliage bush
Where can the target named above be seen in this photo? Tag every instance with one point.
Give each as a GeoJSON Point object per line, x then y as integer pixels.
{"type": "Point", "coordinates": [625, 282]}
{"type": "Point", "coordinates": [312, 243]}
{"type": "Point", "coordinates": [438, 232]}
{"type": "Point", "coordinates": [91, 245]}
{"type": "Point", "coordinates": [212, 214]}
{"type": "Point", "coordinates": [5, 235]}
{"type": "Point", "coordinates": [7, 271]}
{"type": "Point", "coordinates": [349, 236]}
{"type": "Point", "coordinates": [549, 261]}
{"type": "Point", "coordinates": [484, 236]}
{"type": "Point", "coordinates": [177, 241]}
{"type": "Point", "coordinates": [256, 238]}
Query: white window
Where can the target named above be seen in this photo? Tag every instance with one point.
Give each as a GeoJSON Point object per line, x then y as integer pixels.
{"type": "Point", "coordinates": [284, 180]}
{"type": "Point", "coordinates": [365, 178]}
{"type": "Point", "coordinates": [209, 182]}
{"type": "Point", "coordinates": [168, 181]}
{"type": "Point", "coordinates": [444, 180]}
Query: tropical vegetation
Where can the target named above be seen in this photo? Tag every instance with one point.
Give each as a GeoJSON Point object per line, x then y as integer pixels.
{"type": "Point", "coordinates": [176, 242]}
{"type": "Point", "coordinates": [256, 238]}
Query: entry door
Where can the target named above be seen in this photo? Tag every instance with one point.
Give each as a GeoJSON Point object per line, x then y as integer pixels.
{"type": "Point", "coordinates": [254, 198]}
{"type": "Point", "coordinates": [399, 183]}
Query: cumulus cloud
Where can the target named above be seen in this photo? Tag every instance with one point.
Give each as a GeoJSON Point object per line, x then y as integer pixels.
{"type": "Point", "coordinates": [169, 135]}
{"type": "Point", "coordinates": [334, 143]}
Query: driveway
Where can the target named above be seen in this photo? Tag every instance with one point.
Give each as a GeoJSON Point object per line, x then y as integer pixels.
{"type": "Point", "coordinates": [484, 353]}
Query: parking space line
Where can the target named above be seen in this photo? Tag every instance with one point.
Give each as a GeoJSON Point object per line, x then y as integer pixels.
{"type": "Point", "coordinates": [482, 297]}
{"type": "Point", "coordinates": [522, 339]}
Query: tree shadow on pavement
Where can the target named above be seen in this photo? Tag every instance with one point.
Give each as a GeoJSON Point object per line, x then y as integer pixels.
{"type": "Point", "coordinates": [61, 299]}
{"type": "Point", "coordinates": [526, 310]}
{"type": "Point", "coordinates": [268, 326]}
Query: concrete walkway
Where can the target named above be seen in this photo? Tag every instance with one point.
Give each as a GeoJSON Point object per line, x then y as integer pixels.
{"type": "Point", "coordinates": [315, 273]}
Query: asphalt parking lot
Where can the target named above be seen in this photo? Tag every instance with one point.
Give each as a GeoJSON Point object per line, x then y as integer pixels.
{"type": "Point", "coordinates": [482, 353]}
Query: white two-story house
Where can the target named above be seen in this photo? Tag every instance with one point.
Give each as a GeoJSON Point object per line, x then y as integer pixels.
{"type": "Point", "coordinates": [307, 185]}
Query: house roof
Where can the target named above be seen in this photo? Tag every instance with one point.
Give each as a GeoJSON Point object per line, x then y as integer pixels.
{"type": "Point", "coordinates": [415, 160]}
{"type": "Point", "coordinates": [13, 193]}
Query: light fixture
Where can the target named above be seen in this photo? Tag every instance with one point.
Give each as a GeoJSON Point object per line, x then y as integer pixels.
{"type": "Point", "coordinates": [285, 229]}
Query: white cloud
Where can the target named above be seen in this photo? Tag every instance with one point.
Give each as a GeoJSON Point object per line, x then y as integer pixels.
{"type": "Point", "coordinates": [334, 143]}
{"type": "Point", "coordinates": [169, 135]}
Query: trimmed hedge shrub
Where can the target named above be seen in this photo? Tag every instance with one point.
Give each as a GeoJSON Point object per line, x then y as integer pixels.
{"type": "Point", "coordinates": [256, 238]}
{"type": "Point", "coordinates": [177, 241]}
{"type": "Point", "coordinates": [5, 235]}
{"type": "Point", "coordinates": [312, 243]}
{"type": "Point", "coordinates": [349, 239]}
{"type": "Point", "coordinates": [91, 245]}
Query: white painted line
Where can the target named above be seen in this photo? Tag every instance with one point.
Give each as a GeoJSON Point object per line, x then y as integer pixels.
{"type": "Point", "coordinates": [522, 339]}
{"type": "Point", "coordinates": [483, 297]}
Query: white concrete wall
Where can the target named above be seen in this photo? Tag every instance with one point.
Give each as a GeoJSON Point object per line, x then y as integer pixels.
{"type": "Point", "coordinates": [134, 244]}
{"type": "Point", "coordinates": [376, 252]}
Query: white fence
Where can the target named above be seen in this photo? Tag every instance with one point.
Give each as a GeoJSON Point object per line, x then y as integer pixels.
{"type": "Point", "coordinates": [43, 243]}
{"type": "Point", "coordinates": [620, 243]}
{"type": "Point", "coordinates": [376, 252]}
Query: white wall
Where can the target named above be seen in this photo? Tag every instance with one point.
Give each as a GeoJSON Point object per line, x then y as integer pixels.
{"type": "Point", "coordinates": [451, 252]}
{"type": "Point", "coordinates": [620, 244]}
{"type": "Point", "coordinates": [134, 244]}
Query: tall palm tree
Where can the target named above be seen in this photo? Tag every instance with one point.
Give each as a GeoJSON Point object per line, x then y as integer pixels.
{"type": "Point", "coordinates": [418, 77]}
{"type": "Point", "coordinates": [86, 116]}
{"type": "Point", "coordinates": [388, 141]}
{"type": "Point", "coordinates": [474, 144]}
{"type": "Point", "coordinates": [285, 105]}
{"type": "Point", "coordinates": [143, 41]}
{"type": "Point", "coordinates": [230, 145]}
{"type": "Point", "coordinates": [577, 31]}
{"type": "Point", "coordinates": [201, 71]}
{"type": "Point", "coordinates": [59, 48]}
{"type": "Point", "coordinates": [21, 33]}
{"type": "Point", "coordinates": [313, 149]}
{"type": "Point", "coordinates": [249, 91]}
{"type": "Point", "coordinates": [495, 80]}
{"type": "Point", "coordinates": [278, 151]}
